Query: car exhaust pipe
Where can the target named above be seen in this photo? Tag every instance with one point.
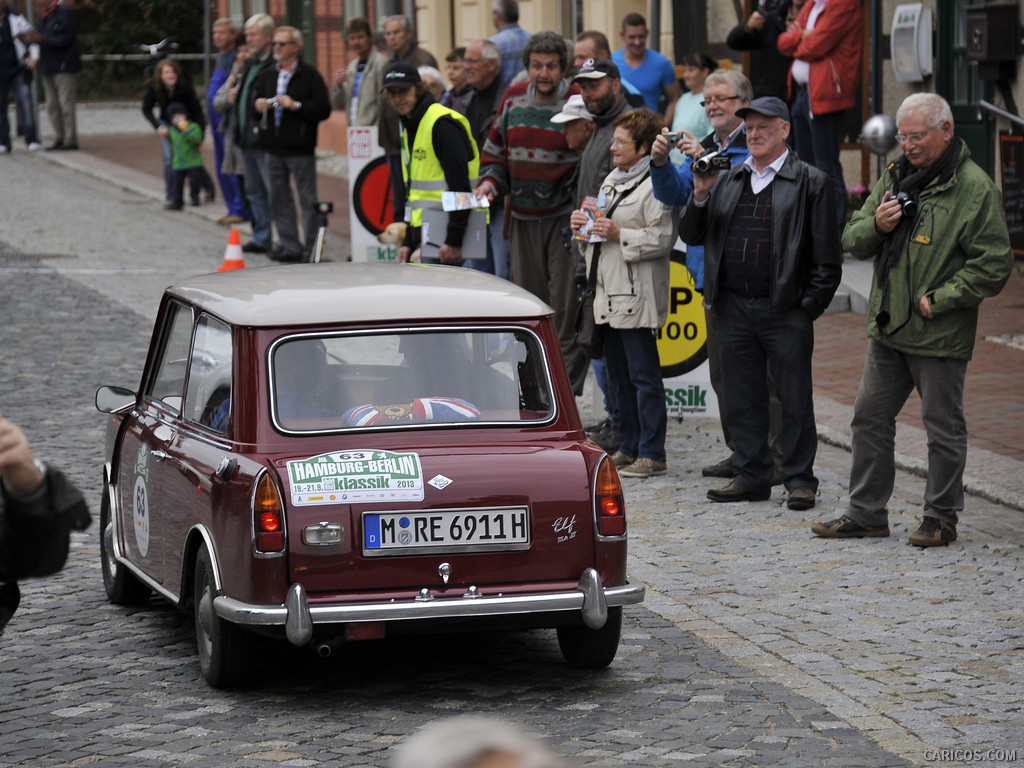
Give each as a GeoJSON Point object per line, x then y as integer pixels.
{"type": "Point", "coordinates": [324, 648]}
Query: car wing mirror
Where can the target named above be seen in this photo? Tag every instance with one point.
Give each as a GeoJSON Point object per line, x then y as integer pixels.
{"type": "Point", "coordinates": [115, 400]}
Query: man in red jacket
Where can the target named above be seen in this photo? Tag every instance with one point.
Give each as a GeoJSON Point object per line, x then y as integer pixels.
{"type": "Point", "coordinates": [825, 42]}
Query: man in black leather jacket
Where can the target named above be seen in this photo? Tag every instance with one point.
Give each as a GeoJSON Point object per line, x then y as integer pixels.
{"type": "Point", "coordinates": [772, 262]}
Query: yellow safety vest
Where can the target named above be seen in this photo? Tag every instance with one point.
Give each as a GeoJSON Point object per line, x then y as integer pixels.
{"type": "Point", "coordinates": [422, 170]}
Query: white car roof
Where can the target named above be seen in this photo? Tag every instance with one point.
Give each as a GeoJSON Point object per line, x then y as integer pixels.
{"type": "Point", "coordinates": [310, 294]}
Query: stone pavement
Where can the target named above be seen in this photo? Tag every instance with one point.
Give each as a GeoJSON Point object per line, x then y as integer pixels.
{"type": "Point", "coordinates": [757, 644]}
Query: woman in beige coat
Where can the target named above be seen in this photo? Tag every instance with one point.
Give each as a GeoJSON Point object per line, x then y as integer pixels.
{"type": "Point", "coordinates": [631, 292]}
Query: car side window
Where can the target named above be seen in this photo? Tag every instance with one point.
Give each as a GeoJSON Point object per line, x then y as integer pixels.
{"type": "Point", "coordinates": [168, 382]}
{"type": "Point", "coordinates": [208, 395]}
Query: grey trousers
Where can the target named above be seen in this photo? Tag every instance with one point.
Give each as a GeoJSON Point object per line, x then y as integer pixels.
{"type": "Point", "coordinates": [543, 265]}
{"type": "Point", "coordinates": [889, 377]}
{"type": "Point", "coordinates": [301, 169]}
{"type": "Point", "coordinates": [61, 97]}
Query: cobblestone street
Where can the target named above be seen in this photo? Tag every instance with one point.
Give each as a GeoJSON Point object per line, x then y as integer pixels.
{"type": "Point", "coordinates": [757, 644]}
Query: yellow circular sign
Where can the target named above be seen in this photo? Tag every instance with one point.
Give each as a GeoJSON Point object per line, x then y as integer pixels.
{"type": "Point", "coordinates": [682, 341]}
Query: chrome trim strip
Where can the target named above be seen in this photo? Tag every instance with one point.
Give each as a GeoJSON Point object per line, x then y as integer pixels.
{"type": "Point", "coordinates": [299, 618]}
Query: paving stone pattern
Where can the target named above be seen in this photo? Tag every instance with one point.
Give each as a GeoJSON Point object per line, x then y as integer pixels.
{"type": "Point", "coordinates": [757, 644]}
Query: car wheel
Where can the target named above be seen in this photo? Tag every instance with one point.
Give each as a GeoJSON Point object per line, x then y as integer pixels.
{"type": "Point", "coordinates": [121, 585]}
{"type": "Point", "coordinates": [585, 648]}
{"type": "Point", "coordinates": [225, 650]}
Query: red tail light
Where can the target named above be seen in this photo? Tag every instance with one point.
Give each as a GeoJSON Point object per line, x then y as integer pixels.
{"type": "Point", "coordinates": [608, 501]}
{"type": "Point", "coordinates": [268, 516]}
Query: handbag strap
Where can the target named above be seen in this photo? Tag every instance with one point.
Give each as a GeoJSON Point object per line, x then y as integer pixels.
{"type": "Point", "coordinates": [592, 274]}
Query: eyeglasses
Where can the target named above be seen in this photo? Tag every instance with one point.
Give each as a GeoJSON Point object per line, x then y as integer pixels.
{"type": "Point", "coordinates": [279, 44]}
{"type": "Point", "coordinates": [472, 61]}
{"type": "Point", "coordinates": [617, 143]}
{"type": "Point", "coordinates": [916, 138]}
{"type": "Point", "coordinates": [717, 100]}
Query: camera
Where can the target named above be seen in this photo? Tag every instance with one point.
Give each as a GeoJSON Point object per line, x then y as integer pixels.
{"type": "Point", "coordinates": [672, 138]}
{"type": "Point", "coordinates": [710, 162]}
{"type": "Point", "coordinates": [273, 102]}
{"type": "Point", "coordinates": [907, 204]}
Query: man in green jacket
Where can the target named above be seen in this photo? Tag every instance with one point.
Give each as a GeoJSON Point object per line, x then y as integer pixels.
{"type": "Point", "coordinates": [935, 225]}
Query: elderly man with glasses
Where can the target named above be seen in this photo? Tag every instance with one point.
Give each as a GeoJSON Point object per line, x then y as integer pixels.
{"type": "Point", "coordinates": [291, 101]}
{"type": "Point", "coordinates": [772, 265]}
{"type": "Point", "coordinates": [935, 226]}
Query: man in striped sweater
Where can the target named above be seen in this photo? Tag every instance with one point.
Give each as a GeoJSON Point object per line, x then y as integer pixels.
{"type": "Point", "coordinates": [527, 159]}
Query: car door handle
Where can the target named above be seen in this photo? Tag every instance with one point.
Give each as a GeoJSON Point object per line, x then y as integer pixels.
{"type": "Point", "coordinates": [159, 455]}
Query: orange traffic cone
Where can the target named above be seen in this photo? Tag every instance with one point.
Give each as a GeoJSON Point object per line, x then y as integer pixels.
{"type": "Point", "coordinates": [233, 258]}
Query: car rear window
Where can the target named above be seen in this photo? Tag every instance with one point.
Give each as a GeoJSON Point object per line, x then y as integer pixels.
{"type": "Point", "coordinates": [409, 379]}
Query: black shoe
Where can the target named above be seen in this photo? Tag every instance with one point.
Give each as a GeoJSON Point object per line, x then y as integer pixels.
{"type": "Point", "coordinates": [778, 477]}
{"type": "Point", "coordinates": [736, 492]}
{"type": "Point", "coordinates": [68, 146]}
{"type": "Point", "coordinates": [55, 145]}
{"type": "Point", "coordinates": [847, 528]}
{"type": "Point", "coordinates": [253, 248]}
{"type": "Point", "coordinates": [601, 425]}
{"type": "Point", "coordinates": [10, 596]}
{"type": "Point", "coordinates": [933, 533]}
{"type": "Point", "coordinates": [721, 469]}
{"type": "Point", "coordinates": [277, 253]}
{"type": "Point", "coordinates": [171, 206]}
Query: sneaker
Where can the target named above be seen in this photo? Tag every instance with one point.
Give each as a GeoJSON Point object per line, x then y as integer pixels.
{"type": "Point", "coordinates": [847, 528]}
{"type": "Point", "coordinates": [644, 467]}
{"type": "Point", "coordinates": [33, 147]}
{"type": "Point", "coordinates": [230, 219]}
{"type": "Point", "coordinates": [933, 533]}
{"type": "Point", "coordinates": [622, 459]}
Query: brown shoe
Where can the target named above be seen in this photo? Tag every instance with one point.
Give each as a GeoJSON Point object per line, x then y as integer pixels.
{"type": "Point", "coordinates": [622, 459]}
{"type": "Point", "coordinates": [721, 469]}
{"type": "Point", "coordinates": [801, 498]}
{"type": "Point", "coordinates": [933, 533]}
{"type": "Point", "coordinates": [847, 528]}
{"type": "Point", "coordinates": [229, 219]}
{"type": "Point", "coordinates": [644, 467]}
{"type": "Point", "coordinates": [736, 492]}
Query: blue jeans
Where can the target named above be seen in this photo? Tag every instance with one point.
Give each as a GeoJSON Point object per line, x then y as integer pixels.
{"type": "Point", "coordinates": [257, 194]}
{"type": "Point", "coordinates": [751, 339]}
{"type": "Point", "coordinates": [23, 99]}
{"type": "Point", "coordinates": [635, 372]}
{"type": "Point", "coordinates": [817, 142]}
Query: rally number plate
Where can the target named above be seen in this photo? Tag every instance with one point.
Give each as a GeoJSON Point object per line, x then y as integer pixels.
{"type": "Point", "coordinates": [449, 530]}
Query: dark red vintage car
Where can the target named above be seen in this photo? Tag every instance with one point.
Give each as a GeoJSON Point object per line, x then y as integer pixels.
{"type": "Point", "coordinates": [339, 452]}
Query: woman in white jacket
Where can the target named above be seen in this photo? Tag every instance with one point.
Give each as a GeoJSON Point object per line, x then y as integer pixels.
{"type": "Point", "coordinates": [631, 292]}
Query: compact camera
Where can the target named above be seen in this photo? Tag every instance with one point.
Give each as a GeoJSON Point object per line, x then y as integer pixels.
{"type": "Point", "coordinates": [672, 138]}
{"type": "Point", "coordinates": [710, 162]}
{"type": "Point", "coordinates": [273, 102]}
{"type": "Point", "coordinates": [907, 204]}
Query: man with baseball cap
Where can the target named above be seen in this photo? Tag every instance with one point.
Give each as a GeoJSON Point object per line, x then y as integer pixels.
{"type": "Point", "coordinates": [772, 262]}
{"type": "Point", "coordinates": [437, 146]}
{"type": "Point", "coordinates": [602, 92]}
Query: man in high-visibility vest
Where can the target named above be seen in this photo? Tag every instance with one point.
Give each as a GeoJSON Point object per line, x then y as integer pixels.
{"type": "Point", "coordinates": [438, 155]}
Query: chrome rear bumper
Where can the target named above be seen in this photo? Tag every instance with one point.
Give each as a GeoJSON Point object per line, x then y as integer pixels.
{"type": "Point", "coordinates": [298, 617]}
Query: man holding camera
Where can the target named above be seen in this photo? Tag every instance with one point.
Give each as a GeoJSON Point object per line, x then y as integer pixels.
{"type": "Point", "coordinates": [291, 101]}
{"type": "Point", "coordinates": [772, 263]}
{"type": "Point", "coordinates": [935, 225]}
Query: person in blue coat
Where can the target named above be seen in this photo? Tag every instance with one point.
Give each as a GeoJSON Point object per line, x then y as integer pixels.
{"type": "Point", "coordinates": [224, 40]}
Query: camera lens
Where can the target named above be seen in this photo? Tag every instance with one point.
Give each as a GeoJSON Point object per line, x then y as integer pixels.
{"type": "Point", "coordinates": [882, 318]}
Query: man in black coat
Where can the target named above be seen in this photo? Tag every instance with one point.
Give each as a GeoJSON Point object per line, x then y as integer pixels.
{"type": "Point", "coordinates": [60, 61]}
{"type": "Point", "coordinates": [772, 262]}
{"type": "Point", "coordinates": [291, 101]}
{"type": "Point", "coordinates": [38, 508]}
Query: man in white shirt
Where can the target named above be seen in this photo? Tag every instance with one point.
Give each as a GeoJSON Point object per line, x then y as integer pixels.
{"type": "Point", "coordinates": [772, 263]}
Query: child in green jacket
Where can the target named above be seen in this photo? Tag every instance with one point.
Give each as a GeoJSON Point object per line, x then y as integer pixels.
{"type": "Point", "coordinates": [186, 159]}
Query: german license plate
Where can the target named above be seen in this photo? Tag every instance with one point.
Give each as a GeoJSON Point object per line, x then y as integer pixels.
{"type": "Point", "coordinates": [451, 530]}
